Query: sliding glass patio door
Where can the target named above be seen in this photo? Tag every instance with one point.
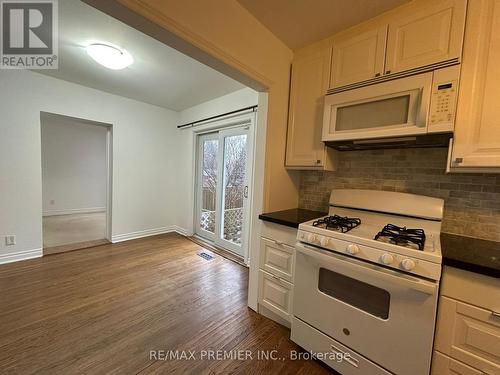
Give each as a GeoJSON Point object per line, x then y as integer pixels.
{"type": "Point", "coordinates": [222, 188]}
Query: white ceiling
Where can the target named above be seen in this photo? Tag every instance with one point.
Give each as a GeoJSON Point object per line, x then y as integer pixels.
{"type": "Point", "coordinates": [159, 75]}
{"type": "Point", "coordinates": [301, 22]}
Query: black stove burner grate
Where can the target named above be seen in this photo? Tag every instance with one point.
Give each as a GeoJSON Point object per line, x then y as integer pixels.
{"type": "Point", "coordinates": [402, 236]}
{"type": "Point", "coordinates": [336, 222]}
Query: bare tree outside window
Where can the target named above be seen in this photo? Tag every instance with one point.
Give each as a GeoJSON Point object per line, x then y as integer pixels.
{"type": "Point", "coordinates": [209, 184]}
{"type": "Point", "coordinates": [235, 159]}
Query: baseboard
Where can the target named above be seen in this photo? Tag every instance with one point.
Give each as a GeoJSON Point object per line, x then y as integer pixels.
{"type": "Point", "coordinates": [273, 316]}
{"type": "Point", "coordinates": [224, 253]}
{"type": "Point", "coordinates": [181, 231]}
{"type": "Point", "coordinates": [73, 247]}
{"type": "Point", "coordinates": [20, 255]}
{"type": "Point", "coordinates": [37, 253]}
{"type": "Point", "coordinates": [74, 211]}
{"type": "Point", "coordinates": [147, 233]}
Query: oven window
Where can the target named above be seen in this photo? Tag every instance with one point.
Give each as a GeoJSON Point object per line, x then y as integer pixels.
{"type": "Point", "coordinates": [366, 297]}
{"type": "Point", "coordinates": [385, 112]}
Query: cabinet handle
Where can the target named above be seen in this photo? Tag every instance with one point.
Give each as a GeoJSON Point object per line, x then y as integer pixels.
{"type": "Point", "coordinates": [459, 160]}
{"type": "Point", "coordinates": [387, 72]}
{"type": "Point", "coordinates": [279, 243]}
{"type": "Point", "coordinates": [377, 75]}
{"type": "Point", "coordinates": [318, 161]}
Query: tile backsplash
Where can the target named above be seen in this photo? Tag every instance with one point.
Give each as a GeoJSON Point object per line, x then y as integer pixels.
{"type": "Point", "coordinates": [472, 201]}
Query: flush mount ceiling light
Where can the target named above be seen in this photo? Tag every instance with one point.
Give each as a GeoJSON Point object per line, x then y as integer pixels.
{"type": "Point", "coordinates": [110, 56]}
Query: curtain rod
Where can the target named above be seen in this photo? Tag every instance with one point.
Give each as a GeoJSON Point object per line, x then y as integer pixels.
{"type": "Point", "coordinates": [253, 108]}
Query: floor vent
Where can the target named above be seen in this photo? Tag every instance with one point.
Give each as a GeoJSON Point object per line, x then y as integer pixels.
{"type": "Point", "coordinates": [206, 256]}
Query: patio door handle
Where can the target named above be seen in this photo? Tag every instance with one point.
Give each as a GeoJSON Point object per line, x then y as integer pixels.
{"type": "Point", "coordinates": [245, 192]}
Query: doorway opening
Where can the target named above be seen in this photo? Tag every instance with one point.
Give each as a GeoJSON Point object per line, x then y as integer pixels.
{"type": "Point", "coordinates": [223, 176]}
{"type": "Point", "coordinates": [76, 181]}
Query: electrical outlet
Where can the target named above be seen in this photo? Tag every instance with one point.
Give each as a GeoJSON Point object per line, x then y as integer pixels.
{"type": "Point", "coordinates": [10, 240]}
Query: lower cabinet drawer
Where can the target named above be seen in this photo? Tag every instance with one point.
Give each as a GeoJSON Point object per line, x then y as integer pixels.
{"type": "Point", "coordinates": [444, 365]}
{"type": "Point", "coordinates": [277, 258]}
{"type": "Point", "coordinates": [469, 334]}
{"type": "Point", "coordinates": [275, 294]}
{"type": "Point", "coordinates": [333, 353]}
{"type": "Point", "coordinates": [470, 287]}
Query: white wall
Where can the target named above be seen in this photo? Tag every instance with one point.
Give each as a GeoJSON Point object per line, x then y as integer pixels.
{"type": "Point", "coordinates": [186, 148]}
{"type": "Point", "coordinates": [152, 166]}
{"type": "Point", "coordinates": [144, 164]}
{"type": "Point", "coordinates": [73, 165]}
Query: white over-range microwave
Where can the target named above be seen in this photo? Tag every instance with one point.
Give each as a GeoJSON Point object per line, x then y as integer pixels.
{"type": "Point", "coordinates": [417, 110]}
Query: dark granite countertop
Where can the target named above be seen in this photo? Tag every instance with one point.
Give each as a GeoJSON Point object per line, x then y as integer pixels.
{"type": "Point", "coordinates": [471, 254]}
{"type": "Point", "coordinates": [291, 218]}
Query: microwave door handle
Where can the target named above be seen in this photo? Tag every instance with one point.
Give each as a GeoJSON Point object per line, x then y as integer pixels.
{"type": "Point", "coordinates": [372, 270]}
{"type": "Point", "coordinates": [421, 112]}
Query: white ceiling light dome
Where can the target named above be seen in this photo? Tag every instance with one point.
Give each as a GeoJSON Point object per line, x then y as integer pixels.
{"type": "Point", "coordinates": [110, 56]}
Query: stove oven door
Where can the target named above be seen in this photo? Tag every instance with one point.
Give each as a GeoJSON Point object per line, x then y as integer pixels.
{"type": "Point", "coordinates": [384, 315]}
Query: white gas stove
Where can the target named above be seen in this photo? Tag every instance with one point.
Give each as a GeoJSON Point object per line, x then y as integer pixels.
{"type": "Point", "coordinates": [366, 282]}
{"type": "Point", "coordinates": [397, 247]}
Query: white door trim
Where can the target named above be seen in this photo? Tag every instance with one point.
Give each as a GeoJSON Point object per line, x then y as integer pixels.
{"type": "Point", "coordinates": [257, 199]}
{"type": "Point", "coordinates": [109, 181]}
{"type": "Point", "coordinates": [109, 167]}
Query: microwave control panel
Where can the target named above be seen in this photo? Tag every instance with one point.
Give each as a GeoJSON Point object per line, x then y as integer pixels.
{"type": "Point", "coordinates": [443, 102]}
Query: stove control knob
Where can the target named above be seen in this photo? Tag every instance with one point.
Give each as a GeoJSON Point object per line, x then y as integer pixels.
{"type": "Point", "coordinates": [311, 238]}
{"type": "Point", "coordinates": [325, 241]}
{"type": "Point", "coordinates": [352, 249]}
{"type": "Point", "coordinates": [408, 264]}
{"type": "Point", "coordinates": [387, 258]}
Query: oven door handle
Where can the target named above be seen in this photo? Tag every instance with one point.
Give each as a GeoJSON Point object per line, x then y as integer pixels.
{"type": "Point", "coordinates": [368, 269]}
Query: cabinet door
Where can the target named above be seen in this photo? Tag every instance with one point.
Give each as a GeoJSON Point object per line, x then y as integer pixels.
{"type": "Point", "coordinates": [275, 294]}
{"type": "Point", "coordinates": [310, 77]}
{"type": "Point", "coordinates": [444, 365]}
{"type": "Point", "coordinates": [277, 258]}
{"type": "Point", "coordinates": [477, 127]}
{"type": "Point", "coordinates": [469, 334]}
{"type": "Point", "coordinates": [429, 36]}
{"type": "Point", "coordinates": [358, 57]}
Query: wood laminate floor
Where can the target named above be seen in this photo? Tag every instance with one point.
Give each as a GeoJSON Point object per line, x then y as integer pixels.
{"type": "Point", "coordinates": [103, 310]}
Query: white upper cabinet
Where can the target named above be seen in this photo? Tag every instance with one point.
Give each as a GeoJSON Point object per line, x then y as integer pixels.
{"type": "Point", "coordinates": [417, 37]}
{"type": "Point", "coordinates": [310, 76]}
{"type": "Point", "coordinates": [477, 126]}
{"type": "Point", "coordinates": [358, 56]}
{"type": "Point", "coordinates": [430, 35]}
